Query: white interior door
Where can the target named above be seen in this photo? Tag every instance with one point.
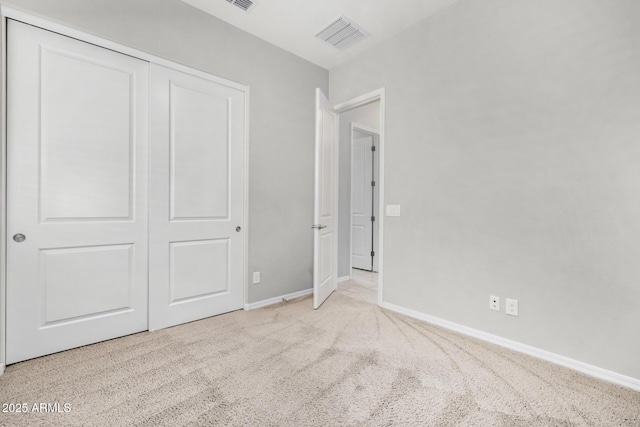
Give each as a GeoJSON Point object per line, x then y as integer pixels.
{"type": "Point", "coordinates": [325, 215]}
{"type": "Point", "coordinates": [196, 162]}
{"type": "Point", "coordinates": [362, 200]}
{"type": "Point", "coordinates": [376, 202]}
{"type": "Point", "coordinates": [77, 193]}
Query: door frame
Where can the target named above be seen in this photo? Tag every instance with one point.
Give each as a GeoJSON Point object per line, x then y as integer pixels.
{"type": "Point", "coordinates": [7, 12]}
{"type": "Point", "coordinates": [375, 134]}
{"type": "Point", "coordinates": [359, 101]}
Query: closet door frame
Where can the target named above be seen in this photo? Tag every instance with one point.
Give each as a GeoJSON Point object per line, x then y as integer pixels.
{"type": "Point", "coordinates": [6, 13]}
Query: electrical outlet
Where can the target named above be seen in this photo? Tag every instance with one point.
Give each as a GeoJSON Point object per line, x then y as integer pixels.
{"type": "Point", "coordinates": [494, 303]}
{"type": "Point", "coordinates": [256, 277]}
{"type": "Point", "coordinates": [512, 307]}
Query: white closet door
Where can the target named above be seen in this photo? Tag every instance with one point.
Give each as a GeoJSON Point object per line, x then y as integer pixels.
{"type": "Point", "coordinates": [196, 198]}
{"type": "Point", "coordinates": [77, 192]}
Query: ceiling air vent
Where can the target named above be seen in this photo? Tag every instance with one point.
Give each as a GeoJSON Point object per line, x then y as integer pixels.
{"type": "Point", "coordinates": [245, 5]}
{"type": "Point", "coordinates": [342, 32]}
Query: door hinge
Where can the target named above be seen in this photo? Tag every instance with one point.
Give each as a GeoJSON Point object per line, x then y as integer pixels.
{"type": "Point", "coordinates": [373, 148]}
{"type": "Point", "coordinates": [373, 219]}
{"type": "Point", "coordinates": [373, 183]}
{"type": "Point", "coordinates": [373, 253]}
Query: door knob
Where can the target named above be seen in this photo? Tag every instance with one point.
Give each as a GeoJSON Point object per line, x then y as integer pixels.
{"type": "Point", "coordinates": [238, 228]}
{"type": "Point", "coordinates": [19, 238]}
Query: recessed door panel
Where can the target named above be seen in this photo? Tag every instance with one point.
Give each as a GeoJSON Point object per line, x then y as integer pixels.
{"type": "Point", "coordinates": [199, 153]}
{"type": "Point", "coordinates": [359, 243]}
{"type": "Point", "coordinates": [196, 229]}
{"type": "Point", "coordinates": [199, 269]}
{"type": "Point", "coordinates": [77, 192]}
{"type": "Point", "coordinates": [358, 180]}
{"type": "Point", "coordinates": [85, 282]}
{"type": "Point", "coordinates": [327, 252]}
{"type": "Point", "coordinates": [327, 161]}
{"type": "Point", "coordinates": [87, 140]}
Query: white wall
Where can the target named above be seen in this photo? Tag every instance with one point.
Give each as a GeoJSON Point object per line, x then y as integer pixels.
{"type": "Point", "coordinates": [513, 146]}
{"type": "Point", "coordinates": [282, 122]}
{"type": "Point", "coordinates": [366, 115]}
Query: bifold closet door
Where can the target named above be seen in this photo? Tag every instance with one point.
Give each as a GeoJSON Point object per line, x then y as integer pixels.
{"type": "Point", "coordinates": [196, 243]}
{"type": "Point", "coordinates": [76, 192]}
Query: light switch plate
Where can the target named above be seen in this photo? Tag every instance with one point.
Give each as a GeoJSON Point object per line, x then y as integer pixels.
{"type": "Point", "coordinates": [393, 210]}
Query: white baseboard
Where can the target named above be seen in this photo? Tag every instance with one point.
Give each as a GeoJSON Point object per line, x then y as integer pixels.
{"type": "Point", "coordinates": [276, 300]}
{"type": "Point", "coordinates": [343, 279]}
{"type": "Point", "coordinates": [2, 366]}
{"type": "Point", "coordinates": [576, 365]}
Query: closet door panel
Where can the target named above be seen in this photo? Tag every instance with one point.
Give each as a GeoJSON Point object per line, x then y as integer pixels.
{"type": "Point", "coordinates": [196, 195]}
{"type": "Point", "coordinates": [76, 193]}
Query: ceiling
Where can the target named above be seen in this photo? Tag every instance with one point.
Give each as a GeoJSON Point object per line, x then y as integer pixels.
{"type": "Point", "coordinates": [293, 24]}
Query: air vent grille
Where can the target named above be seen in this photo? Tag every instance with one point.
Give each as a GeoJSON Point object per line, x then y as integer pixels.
{"type": "Point", "coordinates": [245, 5]}
{"type": "Point", "coordinates": [342, 32]}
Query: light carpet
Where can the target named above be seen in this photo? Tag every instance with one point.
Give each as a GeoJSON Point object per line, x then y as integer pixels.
{"type": "Point", "coordinates": [348, 363]}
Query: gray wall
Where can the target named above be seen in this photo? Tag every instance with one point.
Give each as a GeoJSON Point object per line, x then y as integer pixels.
{"type": "Point", "coordinates": [513, 145]}
{"type": "Point", "coordinates": [282, 123]}
{"type": "Point", "coordinates": [367, 115]}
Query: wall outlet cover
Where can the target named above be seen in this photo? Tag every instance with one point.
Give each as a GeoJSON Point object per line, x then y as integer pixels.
{"type": "Point", "coordinates": [494, 303]}
{"type": "Point", "coordinates": [511, 307]}
{"type": "Point", "coordinates": [256, 277]}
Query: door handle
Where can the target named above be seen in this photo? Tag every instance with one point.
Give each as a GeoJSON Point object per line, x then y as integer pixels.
{"type": "Point", "coordinates": [318, 226]}
{"type": "Point", "coordinates": [19, 238]}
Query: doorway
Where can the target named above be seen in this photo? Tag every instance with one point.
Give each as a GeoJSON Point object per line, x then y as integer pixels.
{"type": "Point", "coordinates": [361, 224]}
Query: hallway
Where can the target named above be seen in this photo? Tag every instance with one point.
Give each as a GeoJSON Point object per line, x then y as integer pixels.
{"type": "Point", "coordinates": [363, 285]}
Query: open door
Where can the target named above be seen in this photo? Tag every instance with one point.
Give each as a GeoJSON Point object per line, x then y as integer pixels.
{"type": "Point", "coordinates": [325, 212]}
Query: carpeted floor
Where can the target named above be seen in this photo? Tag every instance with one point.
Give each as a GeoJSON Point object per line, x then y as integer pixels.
{"type": "Point", "coordinates": [349, 363]}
